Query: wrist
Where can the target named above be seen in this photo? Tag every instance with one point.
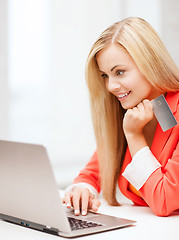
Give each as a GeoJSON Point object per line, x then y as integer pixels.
{"type": "Point", "coordinates": [134, 135]}
{"type": "Point", "coordinates": [135, 142]}
{"type": "Point", "coordinates": [133, 132]}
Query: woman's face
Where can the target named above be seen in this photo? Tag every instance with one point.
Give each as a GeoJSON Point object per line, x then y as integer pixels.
{"type": "Point", "coordinates": [123, 78]}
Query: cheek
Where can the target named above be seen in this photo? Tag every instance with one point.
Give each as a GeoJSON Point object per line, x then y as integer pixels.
{"type": "Point", "coordinates": [142, 91]}
{"type": "Point", "coordinates": [140, 84]}
{"type": "Point", "coordinates": [132, 80]}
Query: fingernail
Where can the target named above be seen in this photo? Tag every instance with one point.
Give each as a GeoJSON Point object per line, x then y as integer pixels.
{"type": "Point", "coordinates": [76, 212]}
{"type": "Point", "coordinates": [84, 213]}
{"type": "Point", "coordinates": [68, 205]}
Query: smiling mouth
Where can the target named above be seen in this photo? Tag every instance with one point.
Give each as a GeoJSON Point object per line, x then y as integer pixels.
{"type": "Point", "coordinates": [123, 95]}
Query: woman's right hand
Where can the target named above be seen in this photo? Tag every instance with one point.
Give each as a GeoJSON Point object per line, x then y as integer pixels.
{"type": "Point", "coordinates": [81, 199]}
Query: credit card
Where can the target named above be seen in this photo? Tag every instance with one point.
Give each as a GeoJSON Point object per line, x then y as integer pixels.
{"type": "Point", "coordinates": [163, 113]}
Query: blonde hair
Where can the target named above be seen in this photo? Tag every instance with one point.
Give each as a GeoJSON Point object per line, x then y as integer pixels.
{"type": "Point", "coordinates": [140, 40]}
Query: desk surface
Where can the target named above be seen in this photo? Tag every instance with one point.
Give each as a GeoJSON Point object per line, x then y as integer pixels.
{"type": "Point", "coordinates": [148, 226]}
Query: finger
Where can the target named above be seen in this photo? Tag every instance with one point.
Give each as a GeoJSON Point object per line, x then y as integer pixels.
{"type": "Point", "coordinates": [147, 104]}
{"type": "Point", "coordinates": [141, 112]}
{"type": "Point", "coordinates": [135, 109]}
{"type": "Point", "coordinates": [76, 198]}
{"type": "Point", "coordinates": [148, 108]}
{"type": "Point", "coordinates": [84, 201]}
{"type": "Point", "coordinates": [67, 200]}
{"type": "Point", "coordinates": [95, 204]}
{"type": "Point", "coordinates": [140, 107]}
{"type": "Point", "coordinates": [91, 198]}
{"type": "Point", "coordinates": [135, 112]}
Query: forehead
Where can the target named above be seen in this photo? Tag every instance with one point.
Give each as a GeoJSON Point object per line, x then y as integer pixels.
{"type": "Point", "coordinates": [113, 55]}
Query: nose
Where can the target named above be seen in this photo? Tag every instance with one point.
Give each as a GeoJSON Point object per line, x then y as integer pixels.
{"type": "Point", "coordinates": [113, 85]}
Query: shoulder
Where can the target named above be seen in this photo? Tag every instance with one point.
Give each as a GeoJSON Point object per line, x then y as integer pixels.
{"type": "Point", "coordinates": [172, 95]}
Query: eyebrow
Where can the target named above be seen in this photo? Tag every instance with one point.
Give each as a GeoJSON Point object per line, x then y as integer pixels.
{"type": "Point", "coordinates": [113, 67]}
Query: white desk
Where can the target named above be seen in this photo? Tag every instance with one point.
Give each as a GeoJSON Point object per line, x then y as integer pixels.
{"type": "Point", "coordinates": [148, 226]}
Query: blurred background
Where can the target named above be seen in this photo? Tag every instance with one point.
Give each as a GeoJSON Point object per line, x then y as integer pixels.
{"type": "Point", "coordinates": [43, 49]}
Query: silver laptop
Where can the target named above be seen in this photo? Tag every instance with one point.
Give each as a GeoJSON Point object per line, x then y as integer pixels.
{"type": "Point", "coordinates": [29, 195]}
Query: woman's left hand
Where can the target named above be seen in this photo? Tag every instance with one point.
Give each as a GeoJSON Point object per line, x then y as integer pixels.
{"type": "Point", "coordinates": [136, 118]}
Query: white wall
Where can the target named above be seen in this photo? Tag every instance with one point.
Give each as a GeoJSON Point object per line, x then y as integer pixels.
{"type": "Point", "coordinates": [29, 70]}
{"type": "Point", "coordinates": [170, 27]}
{"type": "Point", "coordinates": [4, 93]}
{"type": "Point", "coordinates": [150, 10]}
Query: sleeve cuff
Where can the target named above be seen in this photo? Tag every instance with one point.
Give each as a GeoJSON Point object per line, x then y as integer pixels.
{"type": "Point", "coordinates": [83, 185]}
{"type": "Point", "coordinates": [143, 164]}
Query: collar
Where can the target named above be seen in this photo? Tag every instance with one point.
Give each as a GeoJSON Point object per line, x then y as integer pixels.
{"type": "Point", "coordinates": [172, 99]}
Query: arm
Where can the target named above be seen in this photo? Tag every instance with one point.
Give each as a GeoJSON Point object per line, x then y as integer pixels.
{"type": "Point", "coordinates": [90, 174]}
{"type": "Point", "coordinates": [158, 185]}
{"type": "Point", "coordinates": [161, 190]}
{"type": "Point", "coordinates": [133, 124]}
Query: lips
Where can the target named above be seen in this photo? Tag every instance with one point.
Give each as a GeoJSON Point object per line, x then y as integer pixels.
{"type": "Point", "coordinates": [123, 96]}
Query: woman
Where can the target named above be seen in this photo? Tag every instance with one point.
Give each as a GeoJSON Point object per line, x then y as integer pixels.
{"type": "Point", "coordinates": [127, 67]}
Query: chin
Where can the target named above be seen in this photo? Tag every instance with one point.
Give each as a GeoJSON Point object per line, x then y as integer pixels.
{"type": "Point", "coordinates": [128, 106]}
{"type": "Point", "coordinates": [131, 103]}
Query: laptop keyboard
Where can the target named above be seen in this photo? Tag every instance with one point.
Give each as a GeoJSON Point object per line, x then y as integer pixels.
{"type": "Point", "coordinates": [77, 224]}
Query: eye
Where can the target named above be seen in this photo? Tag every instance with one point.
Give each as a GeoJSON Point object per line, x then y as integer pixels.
{"type": "Point", "coordinates": [120, 72]}
{"type": "Point", "coordinates": [104, 75]}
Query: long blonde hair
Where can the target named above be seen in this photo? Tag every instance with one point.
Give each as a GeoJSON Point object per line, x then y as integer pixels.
{"type": "Point", "coordinates": [140, 40]}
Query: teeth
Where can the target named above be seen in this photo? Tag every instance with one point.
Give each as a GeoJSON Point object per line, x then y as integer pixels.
{"type": "Point", "coordinates": [123, 95]}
